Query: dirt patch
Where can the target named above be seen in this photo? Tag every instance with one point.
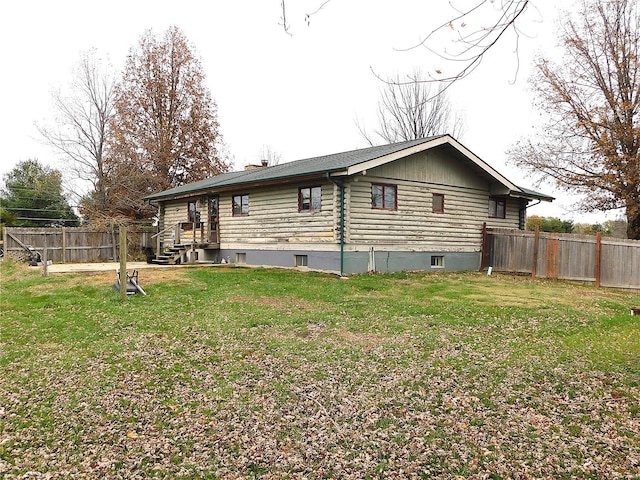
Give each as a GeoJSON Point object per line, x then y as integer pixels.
{"type": "Point", "coordinates": [278, 303]}
{"type": "Point", "coordinates": [367, 339]}
{"type": "Point", "coordinates": [145, 277]}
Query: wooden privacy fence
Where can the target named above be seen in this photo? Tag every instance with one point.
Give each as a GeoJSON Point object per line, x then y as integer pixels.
{"type": "Point", "coordinates": [605, 261]}
{"type": "Point", "coordinates": [75, 245]}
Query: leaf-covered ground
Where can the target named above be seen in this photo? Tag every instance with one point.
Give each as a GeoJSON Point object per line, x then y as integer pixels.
{"type": "Point", "coordinates": [239, 373]}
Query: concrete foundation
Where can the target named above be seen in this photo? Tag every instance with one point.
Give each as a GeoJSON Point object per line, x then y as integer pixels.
{"type": "Point", "coordinates": [353, 262]}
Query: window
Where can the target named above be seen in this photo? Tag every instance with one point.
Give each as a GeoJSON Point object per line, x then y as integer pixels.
{"type": "Point", "coordinates": [497, 207]}
{"type": "Point", "coordinates": [300, 260]}
{"type": "Point", "coordinates": [384, 196]}
{"type": "Point", "coordinates": [437, 261]}
{"type": "Point", "coordinates": [438, 203]}
{"type": "Point", "coordinates": [310, 199]}
{"type": "Point", "coordinates": [240, 205]}
{"type": "Point", "coordinates": [193, 212]}
{"type": "Point", "coordinates": [241, 258]}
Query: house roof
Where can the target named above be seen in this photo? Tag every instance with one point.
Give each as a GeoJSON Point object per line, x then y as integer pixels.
{"type": "Point", "coordinates": [340, 164]}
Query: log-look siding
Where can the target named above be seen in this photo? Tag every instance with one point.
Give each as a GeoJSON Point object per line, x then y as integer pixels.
{"type": "Point", "coordinates": [274, 218]}
{"type": "Point", "coordinates": [175, 212]}
{"type": "Point", "coordinates": [466, 206]}
{"type": "Point", "coordinates": [413, 223]}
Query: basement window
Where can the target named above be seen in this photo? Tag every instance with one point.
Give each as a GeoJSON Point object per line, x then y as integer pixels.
{"type": "Point", "coordinates": [241, 258]}
{"type": "Point", "coordinates": [437, 261]}
{"type": "Point", "coordinates": [301, 260]}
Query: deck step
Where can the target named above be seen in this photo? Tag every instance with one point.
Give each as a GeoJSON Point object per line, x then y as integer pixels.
{"type": "Point", "coordinates": [172, 256]}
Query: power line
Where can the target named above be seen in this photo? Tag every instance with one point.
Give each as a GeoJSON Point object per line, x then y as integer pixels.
{"type": "Point", "coordinates": [37, 219]}
{"type": "Point", "coordinates": [59, 210]}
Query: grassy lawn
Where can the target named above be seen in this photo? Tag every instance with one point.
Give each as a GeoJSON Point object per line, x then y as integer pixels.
{"type": "Point", "coordinates": [256, 373]}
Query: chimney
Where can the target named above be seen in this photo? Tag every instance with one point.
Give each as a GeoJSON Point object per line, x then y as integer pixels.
{"type": "Point", "coordinates": [263, 164]}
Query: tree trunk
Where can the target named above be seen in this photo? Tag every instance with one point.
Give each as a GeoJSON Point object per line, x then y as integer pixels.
{"type": "Point", "coordinates": [633, 222]}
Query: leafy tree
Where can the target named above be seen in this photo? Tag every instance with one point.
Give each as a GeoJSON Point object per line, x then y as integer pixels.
{"type": "Point", "coordinates": [549, 224]}
{"type": "Point", "coordinates": [609, 228]}
{"type": "Point", "coordinates": [411, 110]}
{"type": "Point", "coordinates": [6, 217]}
{"type": "Point", "coordinates": [82, 127]}
{"type": "Point", "coordinates": [534, 221]}
{"type": "Point", "coordinates": [615, 228]}
{"type": "Point", "coordinates": [591, 141]}
{"type": "Point", "coordinates": [32, 197]}
{"type": "Point", "coordinates": [165, 127]}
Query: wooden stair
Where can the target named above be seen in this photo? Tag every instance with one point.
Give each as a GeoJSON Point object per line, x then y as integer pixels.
{"type": "Point", "coordinates": [173, 256]}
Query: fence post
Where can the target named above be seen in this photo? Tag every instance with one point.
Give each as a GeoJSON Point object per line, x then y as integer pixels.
{"type": "Point", "coordinates": [598, 257]}
{"type": "Point", "coordinates": [45, 258]}
{"type": "Point", "coordinates": [536, 246]}
{"type": "Point", "coordinates": [114, 247]}
{"type": "Point", "coordinates": [123, 262]}
{"type": "Point", "coordinates": [64, 245]}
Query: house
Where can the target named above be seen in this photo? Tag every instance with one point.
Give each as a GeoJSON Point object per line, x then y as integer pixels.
{"type": "Point", "coordinates": [414, 205]}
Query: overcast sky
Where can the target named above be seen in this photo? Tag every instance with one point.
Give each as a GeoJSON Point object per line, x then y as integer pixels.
{"type": "Point", "coordinates": [299, 93]}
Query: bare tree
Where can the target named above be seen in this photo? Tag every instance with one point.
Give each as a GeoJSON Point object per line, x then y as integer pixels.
{"type": "Point", "coordinates": [166, 130]}
{"type": "Point", "coordinates": [82, 124]}
{"type": "Point", "coordinates": [479, 26]}
{"type": "Point", "coordinates": [269, 155]}
{"type": "Point", "coordinates": [407, 111]}
{"type": "Point", "coordinates": [493, 20]}
{"type": "Point", "coordinates": [590, 143]}
{"type": "Point", "coordinates": [307, 16]}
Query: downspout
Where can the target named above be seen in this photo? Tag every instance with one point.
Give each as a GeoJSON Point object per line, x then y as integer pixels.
{"type": "Point", "coordinates": [341, 187]}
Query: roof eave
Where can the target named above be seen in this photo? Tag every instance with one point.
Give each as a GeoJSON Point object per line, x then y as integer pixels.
{"type": "Point", "coordinates": [531, 196]}
{"type": "Point", "coordinates": [237, 186]}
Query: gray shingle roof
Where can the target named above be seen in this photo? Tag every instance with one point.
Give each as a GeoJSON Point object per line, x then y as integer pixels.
{"type": "Point", "coordinates": [309, 166]}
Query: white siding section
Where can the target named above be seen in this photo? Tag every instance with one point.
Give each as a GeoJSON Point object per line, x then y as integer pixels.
{"type": "Point", "coordinates": [274, 218]}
